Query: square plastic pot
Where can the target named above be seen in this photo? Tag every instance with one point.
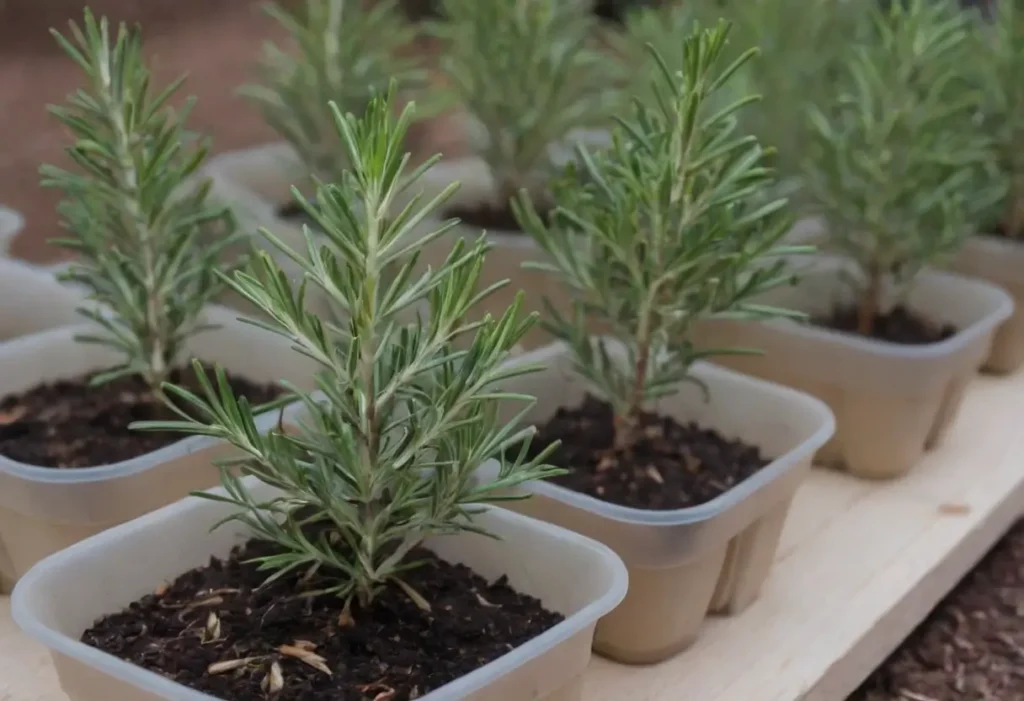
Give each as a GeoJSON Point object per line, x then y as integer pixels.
{"type": "Point", "coordinates": [11, 224]}
{"type": "Point", "coordinates": [891, 402]}
{"type": "Point", "coordinates": [63, 595]}
{"type": "Point", "coordinates": [1001, 262]}
{"type": "Point", "coordinates": [33, 301]}
{"type": "Point", "coordinates": [684, 564]}
{"type": "Point", "coordinates": [43, 510]}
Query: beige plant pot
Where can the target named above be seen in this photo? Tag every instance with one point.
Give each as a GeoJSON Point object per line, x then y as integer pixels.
{"type": "Point", "coordinates": [33, 301]}
{"type": "Point", "coordinates": [62, 596]}
{"type": "Point", "coordinates": [11, 224]}
{"type": "Point", "coordinates": [686, 563]}
{"type": "Point", "coordinates": [1001, 262]}
{"type": "Point", "coordinates": [43, 510]}
{"type": "Point", "coordinates": [891, 402]}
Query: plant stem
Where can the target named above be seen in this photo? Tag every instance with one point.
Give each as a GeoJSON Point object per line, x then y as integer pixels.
{"type": "Point", "coordinates": [869, 304]}
{"type": "Point", "coordinates": [626, 424]}
{"type": "Point", "coordinates": [153, 317]}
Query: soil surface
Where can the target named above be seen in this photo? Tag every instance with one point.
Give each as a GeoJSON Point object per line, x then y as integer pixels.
{"type": "Point", "coordinates": [672, 467]}
{"type": "Point", "coordinates": [70, 424]}
{"type": "Point", "coordinates": [306, 645]}
{"type": "Point", "coordinates": [900, 325]}
{"type": "Point", "coordinates": [1000, 233]}
{"type": "Point", "coordinates": [971, 648]}
{"type": "Point", "coordinates": [487, 218]}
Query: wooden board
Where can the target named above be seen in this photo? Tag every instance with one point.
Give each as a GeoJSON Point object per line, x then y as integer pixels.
{"type": "Point", "coordinates": [859, 566]}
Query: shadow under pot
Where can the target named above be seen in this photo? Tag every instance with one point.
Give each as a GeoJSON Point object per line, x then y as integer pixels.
{"type": "Point", "coordinates": [892, 399]}
{"type": "Point", "coordinates": [999, 260]}
{"type": "Point", "coordinates": [64, 600]}
{"type": "Point", "coordinates": [708, 544]}
{"type": "Point", "coordinates": [69, 465]}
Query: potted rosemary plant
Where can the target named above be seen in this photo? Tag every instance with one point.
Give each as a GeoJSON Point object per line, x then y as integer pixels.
{"type": "Point", "coordinates": [669, 460]}
{"type": "Point", "coordinates": [528, 81]}
{"type": "Point", "coordinates": [69, 465]}
{"type": "Point", "coordinates": [341, 50]}
{"type": "Point", "coordinates": [364, 524]}
{"type": "Point", "coordinates": [897, 171]}
{"type": "Point", "coordinates": [996, 253]}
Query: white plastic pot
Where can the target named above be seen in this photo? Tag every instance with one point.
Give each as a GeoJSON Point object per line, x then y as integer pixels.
{"type": "Point", "coordinates": [11, 224]}
{"type": "Point", "coordinates": [1001, 262]}
{"type": "Point", "coordinates": [33, 300]}
{"type": "Point", "coordinates": [64, 595]}
{"type": "Point", "coordinates": [891, 402]}
{"type": "Point", "coordinates": [684, 563]}
{"type": "Point", "coordinates": [43, 510]}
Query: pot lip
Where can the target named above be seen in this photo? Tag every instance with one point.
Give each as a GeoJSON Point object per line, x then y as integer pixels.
{"type": "Point", "coordinates": [573, 624]}
{"type": "Point", "coordinates": [126, 468]}
{"type": "Point", "coordinates": [723, 502]}
{"type": "Point", "coordinates": [1002, 308]}
{"type": "Point", "coordinates": [11, 224]}
{"type": "Point", "coordinates": [994, 242]}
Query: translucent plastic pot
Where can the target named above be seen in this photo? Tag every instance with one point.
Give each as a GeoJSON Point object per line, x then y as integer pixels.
{"type": "Point", "coordinates": [62, 596]}
{"type": "Point", "coordinates": [685, 563]}
{"type": "Point", "coordinates": [11, 224]}
{"type": "Point", "coordinates": [891, 402]}
{"type": "Point", "coordinates": [999, 261]}
{"type": "Point", "coordinates": [32, 301]}
{"type": "Point", "coordinates": [43, 510]}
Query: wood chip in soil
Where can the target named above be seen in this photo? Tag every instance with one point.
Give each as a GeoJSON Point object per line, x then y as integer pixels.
{"type": "Point", "coordinates": [71, 424]}
{"type": "Point", "coordinates": [971, 647]}
{"type": "Point", "coordinates": [900, 325]}
{"type": "Point", "coordinates": [674, 466]}
{"type": "Point", "coordinates": [215, 630]}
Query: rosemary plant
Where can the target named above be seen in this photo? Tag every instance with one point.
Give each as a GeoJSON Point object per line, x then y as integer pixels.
{"type": "Point", "coordinates": [668, 228]}
{"type": "Point", "coordinates": [801, 44]}
{"type": "Point", "coordinates": [896, 164]}
{"type": "Point", "coordinates": [344, 50]}
{"type": "Point", "coordinates": [401, 421]}
{"type": "Point", "coordinates": [149, 243]}
{"type": "Point", "coordinates": [526, 75]}
{"type": "Point", "coordinates": [1001, 50]}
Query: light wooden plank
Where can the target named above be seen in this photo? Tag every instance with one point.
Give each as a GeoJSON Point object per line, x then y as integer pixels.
{"type": "Point", "coordinates": [859, 566]}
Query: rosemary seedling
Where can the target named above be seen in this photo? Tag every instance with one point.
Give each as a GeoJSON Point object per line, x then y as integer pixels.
{"type": "Point", "coordinates": [148, 241]}
{"type": "Point", "coordinates": [801, 45]}
{"type": "Point", "coordinates": [897, 164]}
{"type": "Point", "coordinates": [342, 50]}
{"type": "Point", "coordinates": [1001, 67]}
{"type": "Point", "coordinates": [386, 454]}
{"type": "Point", "coordinates": [526, 74]}
{"type": "Point", "coordinates": [668, 227]}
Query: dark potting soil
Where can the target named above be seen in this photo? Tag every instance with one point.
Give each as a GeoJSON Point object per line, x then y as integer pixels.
{"type": "Point", "coordinates": [294, 212]}
{"type": "Point", "coordinates": [672, 467]}
{"type": "Point", "coordinates": [487, 218]}
{"type": "Point", "coordinates": [900, 325]}
{"type": "Point", "coordinates": [70, 424]}
{"type": "Point", "coordinates": [971, 647]}
{"type": "Point", "coordinates": [391, 651]}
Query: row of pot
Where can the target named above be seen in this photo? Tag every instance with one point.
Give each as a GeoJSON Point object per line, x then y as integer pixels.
{"type": "Point", "coordinates": [682, 564]}
{"type": "Point", "coordinates": [892, 402]}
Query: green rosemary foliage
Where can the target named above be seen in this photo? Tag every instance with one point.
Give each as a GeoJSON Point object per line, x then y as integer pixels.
{"type": "Point", "coordinates": [1001, 66]}
{"type": "Point", "coordinates": [800, 42]}
{"type": "Point", "coordinates": [527, 77]}
{"type": "Point", "coordinates": [401, 421]}
{"type": "Point", "coordinates": [669, 227]}
{"type": "Point", "coordinates": [896, 163]}
{"type": "Point", "coordinates": [344, 50]}
{"type": "Point", "coordinates": [143, 235]}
